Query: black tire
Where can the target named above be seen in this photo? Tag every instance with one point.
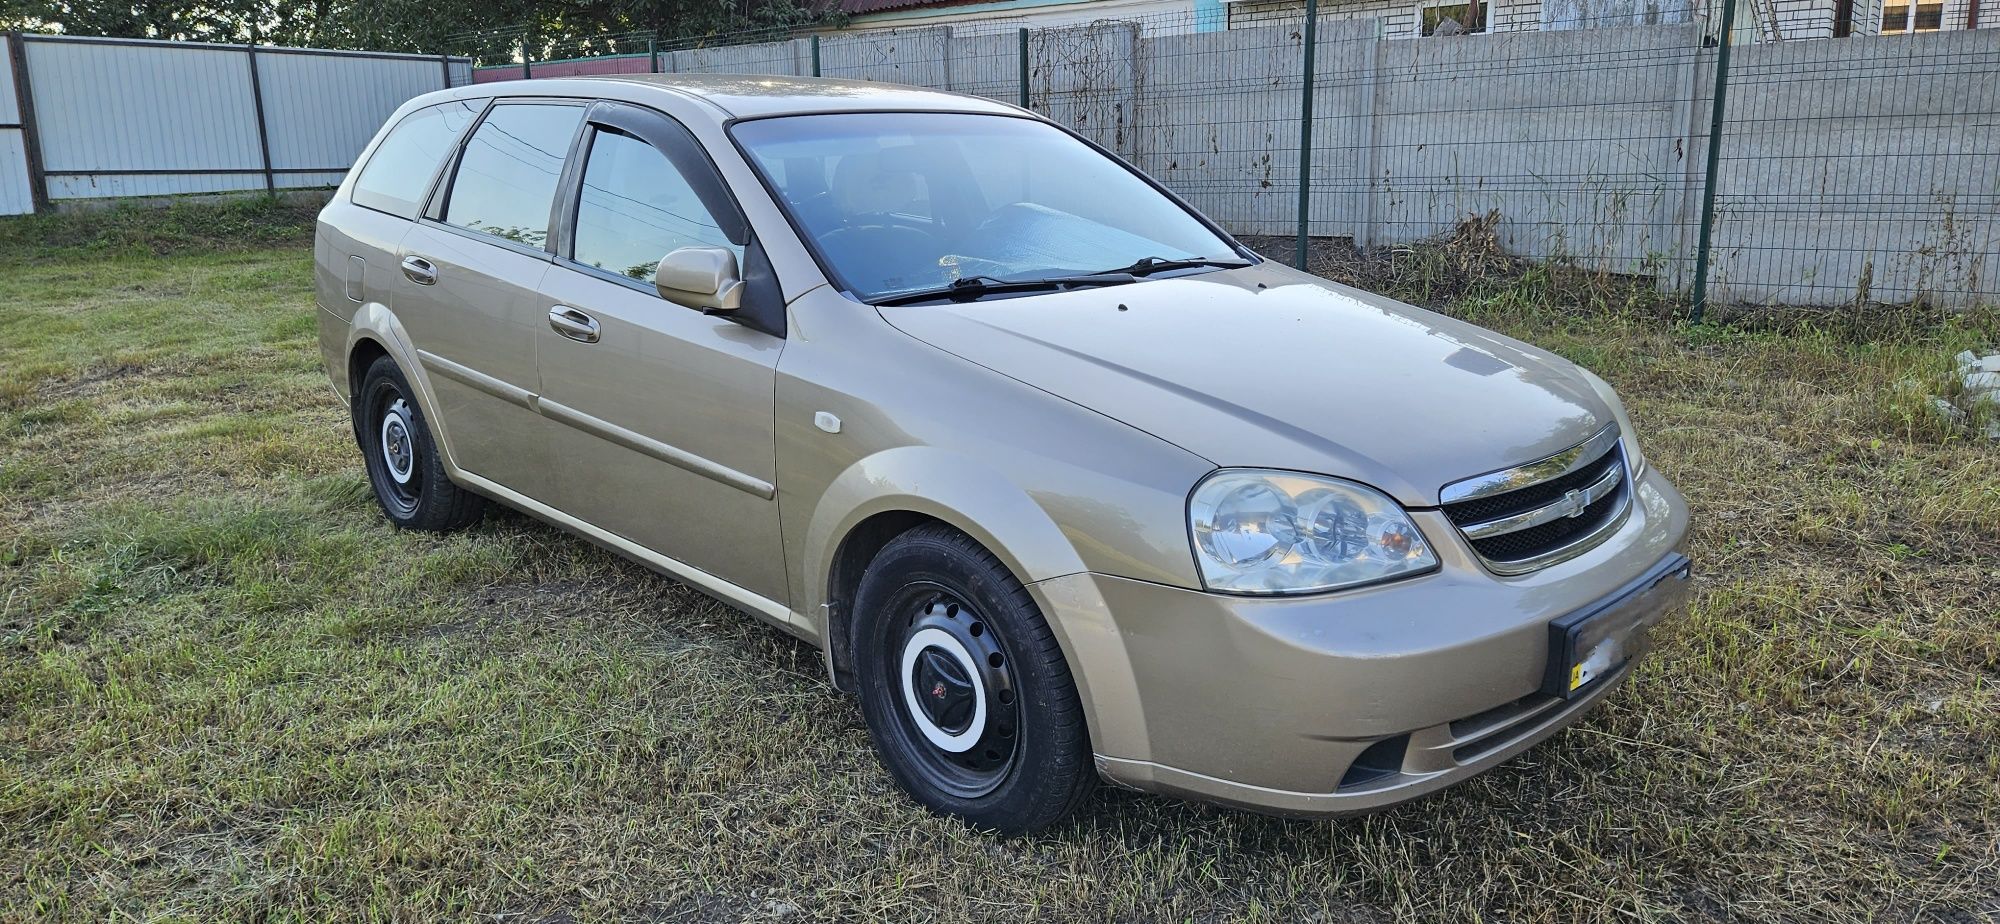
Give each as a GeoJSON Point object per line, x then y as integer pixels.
{"type": "Point", "coordinates": [1021, 764]}
{"type": "Point", "coordinates": [404, 466]}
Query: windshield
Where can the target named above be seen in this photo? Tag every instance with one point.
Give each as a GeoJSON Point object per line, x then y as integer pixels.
{"type": "Point", "coordinates": [906, 202]}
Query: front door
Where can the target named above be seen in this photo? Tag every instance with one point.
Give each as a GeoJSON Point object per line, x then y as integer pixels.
{"type": "Point", "coordinates": [667, 427]}
{"type": "Point", "coordinates": [469, 298]}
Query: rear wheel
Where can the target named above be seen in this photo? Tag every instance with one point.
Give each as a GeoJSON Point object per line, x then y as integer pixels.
{"type": "Point", "coordinates": [403, 462]}
{"type": "Point", "coordinates": [964, 687]}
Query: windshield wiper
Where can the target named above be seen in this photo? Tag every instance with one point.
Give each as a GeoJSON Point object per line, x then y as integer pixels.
{"type": "Point", "coordinates": [1146, 266]}
{"type": "Point", "coordinates": [972, 288]}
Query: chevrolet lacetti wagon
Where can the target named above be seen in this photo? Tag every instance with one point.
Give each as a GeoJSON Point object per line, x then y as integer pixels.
{"type": "Point", "coordinates": [1064, 482]}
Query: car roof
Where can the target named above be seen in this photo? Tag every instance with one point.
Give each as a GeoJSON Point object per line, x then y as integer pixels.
{"type": "Point", "coordinates": [753, 95]}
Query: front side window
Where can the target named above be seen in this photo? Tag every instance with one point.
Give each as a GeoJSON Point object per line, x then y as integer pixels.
{"type": "Point", "coordinates": [636, 207]}
{"type": "Point", "coordinates": [907, 202]}
{"type": "Point", "coordinates": [397, 176]}
{"type": "Point", "coordinates": [507, 177]}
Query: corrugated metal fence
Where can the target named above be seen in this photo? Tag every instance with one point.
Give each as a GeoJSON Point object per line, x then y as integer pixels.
{"type": "Point", "coordinates": [85, 118]}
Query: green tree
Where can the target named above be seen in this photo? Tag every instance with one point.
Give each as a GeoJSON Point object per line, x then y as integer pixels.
{"type": "Point", "coordinates": [486, 29]}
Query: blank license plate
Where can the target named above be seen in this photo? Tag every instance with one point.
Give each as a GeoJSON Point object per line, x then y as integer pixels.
{"type": "Point", "coordinates": [1587, 645]}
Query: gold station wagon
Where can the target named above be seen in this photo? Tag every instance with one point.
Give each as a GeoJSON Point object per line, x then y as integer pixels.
{"type": "Point", "coordinates": [1065, 482]}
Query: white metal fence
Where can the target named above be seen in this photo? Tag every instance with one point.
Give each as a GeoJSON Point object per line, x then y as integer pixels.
{"type": "Point", "coordinates": [84, 118]}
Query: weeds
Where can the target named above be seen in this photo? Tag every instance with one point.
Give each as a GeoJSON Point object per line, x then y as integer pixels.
{"type": "Point", "coordinates": [182, 227]}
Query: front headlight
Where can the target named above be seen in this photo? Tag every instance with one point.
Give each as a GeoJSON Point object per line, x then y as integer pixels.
{"type": "Point", "coordinates": [1270, 532]}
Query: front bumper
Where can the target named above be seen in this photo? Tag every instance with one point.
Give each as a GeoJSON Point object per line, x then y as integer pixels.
{"type": "Point", "coordinates": [1355, 700]}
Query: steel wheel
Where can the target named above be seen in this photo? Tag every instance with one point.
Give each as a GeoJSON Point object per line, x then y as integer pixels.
{"type": "Point", "coordinates": [405, 468]}
{"type": "Point", "coordinates": [968, 696]}
{"type": "Point", "coordinates": [957, 693]}
{"type": "Point", "coordinates": [397, 448]}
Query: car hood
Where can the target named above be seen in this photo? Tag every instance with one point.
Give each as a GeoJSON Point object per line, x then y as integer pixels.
{"type": "Point", "coordinates": [1267, 367]}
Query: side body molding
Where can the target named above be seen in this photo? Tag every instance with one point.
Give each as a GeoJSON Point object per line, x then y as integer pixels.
{"type": "Point", "coordinates": [602, 429]}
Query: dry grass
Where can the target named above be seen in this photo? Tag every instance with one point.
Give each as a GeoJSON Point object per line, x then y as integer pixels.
{"type": "Point", "coordinates": [229, 692]}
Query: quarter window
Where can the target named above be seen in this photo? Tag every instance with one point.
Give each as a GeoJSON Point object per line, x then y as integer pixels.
{"type": "Point", "coordinates": [507, 176]}
{"type": "Point", "coordinates": [397, 176]}
{"type": "Point", "coordinates": [636, 208]}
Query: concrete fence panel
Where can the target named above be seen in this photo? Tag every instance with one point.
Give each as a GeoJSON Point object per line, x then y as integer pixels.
{"type": "Point", "coordinates": [1219, 123]}
{"type": "Point", "coordinates": [1086, 77]}
{"type": "Point", "coordinates": [781, 58]}
{"type": "Point", "coordinates": [987, 64]}
{"type": "Point", "coordinates": [1575, 139]}
{"type": "Point", "coordinates": [1861, 171]}
{"type": "Point", "coordinates": [917, 57]}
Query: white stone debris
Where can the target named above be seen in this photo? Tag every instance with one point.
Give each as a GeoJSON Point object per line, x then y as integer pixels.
{"type": "Point", "coordinates": [1948, 411]}
{"type": "Point", "coordinates": [1980, 376]}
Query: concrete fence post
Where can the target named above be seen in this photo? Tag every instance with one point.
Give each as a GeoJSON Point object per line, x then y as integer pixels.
{"type": "Point", "coordinates": [1678, 215]}
{"type": "Point", "coordinates": [1716, 110]}
{"type": "Point", "coordinates": [945, 64]}
{"type": "Point", "coordinates": [1364, 227]}
{"type": "Point", "coordinates": [1306, 131]}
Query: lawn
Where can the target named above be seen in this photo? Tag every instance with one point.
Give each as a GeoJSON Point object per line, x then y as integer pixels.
{"type": "Point", "coordinates": [228, 691]}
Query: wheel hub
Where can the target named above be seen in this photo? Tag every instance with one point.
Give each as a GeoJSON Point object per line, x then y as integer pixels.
{"type": "Point", "coordinates": [959, 694]}
{"type": "Point", "coordinates": [398, 453]}
{"type": "Point", "coordinates": [947, 692]}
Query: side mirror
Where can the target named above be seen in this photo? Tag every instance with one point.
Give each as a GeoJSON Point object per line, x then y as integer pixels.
{"type": "Point", "coordinates": [703, 278]}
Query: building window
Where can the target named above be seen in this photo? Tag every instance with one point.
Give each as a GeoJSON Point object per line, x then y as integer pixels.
{"type": "Point", "coordinates": [1912, 17]}
{"type": "Point", "coordinates": [1453, 18]}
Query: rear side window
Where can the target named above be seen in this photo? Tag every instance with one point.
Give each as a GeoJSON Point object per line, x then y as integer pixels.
{"type": "Point", "coordinates": [399, 174]}
{"type": "Point", "coordinates": [636, 208]}
{"type": "Point", "coordinates": [507, 176]}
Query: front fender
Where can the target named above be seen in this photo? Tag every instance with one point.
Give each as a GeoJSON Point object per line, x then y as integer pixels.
{"type": "Point", "coordinates": [949, 486]}
{"type": "Point", "coordinates": [980, 501]}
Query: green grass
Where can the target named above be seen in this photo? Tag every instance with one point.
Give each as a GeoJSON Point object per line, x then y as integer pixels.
{"type": "Point", "coordinates": [229, 692]}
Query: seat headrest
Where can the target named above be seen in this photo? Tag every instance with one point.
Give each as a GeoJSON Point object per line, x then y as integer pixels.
{"type": "Point", "coordinates": [877, 182]}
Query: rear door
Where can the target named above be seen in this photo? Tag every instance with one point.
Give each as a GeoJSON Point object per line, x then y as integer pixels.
{"type": "Point", "coordinates": [469, 278]}
{"type": "Point", "coordinates": [360, 235]}
{"type": "Point", "coordinates": [666, 413]}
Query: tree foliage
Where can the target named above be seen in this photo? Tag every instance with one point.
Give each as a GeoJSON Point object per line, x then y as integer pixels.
{"type": "Point", "coordinates": [481, 27]}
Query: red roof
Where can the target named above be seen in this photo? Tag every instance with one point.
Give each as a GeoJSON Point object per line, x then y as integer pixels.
{"type": "Point", "coordinates": [879, 6]}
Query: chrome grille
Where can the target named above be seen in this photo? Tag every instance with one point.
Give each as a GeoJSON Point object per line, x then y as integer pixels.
{"type": "Point", "coordinates": [1535, 515]}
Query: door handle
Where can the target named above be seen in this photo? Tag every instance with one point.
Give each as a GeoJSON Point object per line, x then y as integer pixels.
{"type": "Point", "coordinates": [573, 324]}
{"type": "Point", "coordinates": [420, 271]}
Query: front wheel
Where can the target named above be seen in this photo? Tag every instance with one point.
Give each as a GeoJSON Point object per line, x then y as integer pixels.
{"type": "Point", "coordinates": [964, 686]}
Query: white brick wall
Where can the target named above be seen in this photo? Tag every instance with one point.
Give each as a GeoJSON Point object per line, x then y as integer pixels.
{"type": "Point", "coordinates": [1796, 19]}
